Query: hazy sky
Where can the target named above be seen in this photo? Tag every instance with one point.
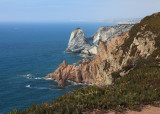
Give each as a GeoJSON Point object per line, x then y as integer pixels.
{"type": "Point", "coordinates": [75, 10]}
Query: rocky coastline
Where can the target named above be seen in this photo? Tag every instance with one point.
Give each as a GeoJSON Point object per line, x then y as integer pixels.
{"type": "Point", "coordinates": [111, 53]}
{"type": "Point", "coordinates": [106, 41]}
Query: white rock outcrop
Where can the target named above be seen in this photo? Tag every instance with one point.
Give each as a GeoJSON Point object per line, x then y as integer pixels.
{"type": "Point", "coordinates": [77, 41]}
{"type": "Point", "coordinates": [105, 34]}
{"type": "Point", "coordinates": [90, 51]}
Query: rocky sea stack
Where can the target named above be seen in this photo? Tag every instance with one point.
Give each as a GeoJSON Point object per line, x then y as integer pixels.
{"type": "Point", "coordinates": [77, 41]}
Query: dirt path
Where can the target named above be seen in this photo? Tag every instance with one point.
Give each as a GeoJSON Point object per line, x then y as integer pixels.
{"type": "Point", "coordinates": [146, 110]}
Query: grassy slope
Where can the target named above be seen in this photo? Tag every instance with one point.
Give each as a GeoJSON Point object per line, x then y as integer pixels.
{"type": "Point", "coordinates": [140, 87]}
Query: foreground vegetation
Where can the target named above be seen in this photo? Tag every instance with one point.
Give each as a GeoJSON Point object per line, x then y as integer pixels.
{"type": "Point", "coordinates": [140, 87]}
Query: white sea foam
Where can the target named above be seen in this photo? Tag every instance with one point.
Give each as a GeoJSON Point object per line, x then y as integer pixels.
{"type": "Point", "coordinates": [29, 78]}
{"type": "Point", "coordinates": [29, 74]}
{"type": "Point", "coordinates": [47, 78]}
{"type": "Point", "coordinates": [54, 80]}
{"type": "Point", "coordinates": [42, 88]}
{"type": "Point", "coordinates": [28, 85]}
{"type": "Point", "coordinates": [38, 78]}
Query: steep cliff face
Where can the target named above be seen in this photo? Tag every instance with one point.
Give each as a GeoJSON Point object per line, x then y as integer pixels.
{"type": "Point", "coordinates": [115, 58]}
{"type": "Point", "coordinates": [123, 50]}
{"type": "Point", "coordinates": [77, 41]}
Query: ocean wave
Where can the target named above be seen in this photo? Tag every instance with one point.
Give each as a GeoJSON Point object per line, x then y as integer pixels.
{"type": "Point", "coordinates": [28, 86]}
{"type": "Point", "coordinates": [29, 75]}
{"type": "Point", "coordinates": [47, 78]}
{"type": "Point", "coordinates": [38, 78]}
{"type": "Point", "coordinates": [25, 75]}
{"type": "Point", "coordinates": [43, 88]}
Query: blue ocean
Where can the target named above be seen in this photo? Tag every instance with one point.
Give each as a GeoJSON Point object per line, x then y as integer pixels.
{"type": "Point", "coordinates": [35, 49]}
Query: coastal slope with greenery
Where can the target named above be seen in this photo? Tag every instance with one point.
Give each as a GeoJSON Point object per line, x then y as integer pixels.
{"type": "Point", "coordinates": [139, 87]}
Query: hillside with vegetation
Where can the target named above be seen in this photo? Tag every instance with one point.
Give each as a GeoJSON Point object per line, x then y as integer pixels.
{"type": "Point", "coordinates": [139, 86]}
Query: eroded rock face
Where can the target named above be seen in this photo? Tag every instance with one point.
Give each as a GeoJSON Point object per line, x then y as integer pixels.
{"type": "Point", "coordinates": [111, 57]}
{"type": "Point", "coordinates": [79, 74]}
{"type": "Point", "coordinates": [107, 33]}
{"type": "Point", "coordinates": [77, 41]}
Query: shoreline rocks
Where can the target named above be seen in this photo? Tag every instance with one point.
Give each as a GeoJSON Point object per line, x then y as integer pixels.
{"type": "Point", "coordinates": [78, 74]}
